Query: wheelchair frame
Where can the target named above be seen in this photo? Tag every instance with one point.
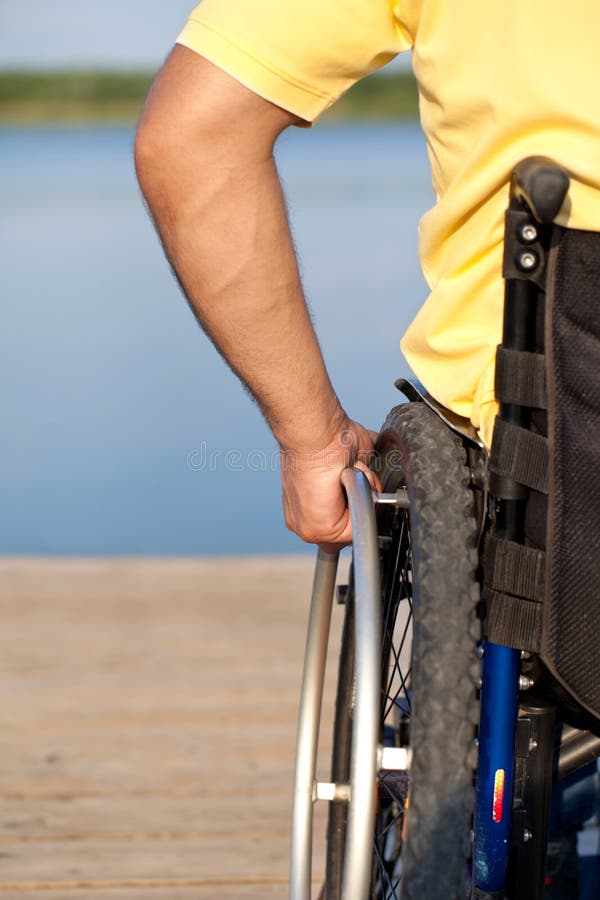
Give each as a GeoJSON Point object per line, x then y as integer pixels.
{"type": "Point", "coordinates": [515, 739]}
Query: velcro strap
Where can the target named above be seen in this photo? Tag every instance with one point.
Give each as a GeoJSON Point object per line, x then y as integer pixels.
{"type": "Point", "coordinates": [520, 454]}
{"type": "Point", "coordinates": [512, 568]}
{"type": "Point", "coordinates": [512, 621]}
{"type": "Point", "coordinates": [520, 378]}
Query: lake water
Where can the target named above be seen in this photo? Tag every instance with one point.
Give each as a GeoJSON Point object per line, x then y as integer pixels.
{"type": "Point", "coordinates": [123, 431]}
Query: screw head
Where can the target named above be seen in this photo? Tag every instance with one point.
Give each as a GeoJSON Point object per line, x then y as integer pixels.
{"type": "Point", "coordinates": [527, 261]}
{"type": "Point", "coordinates": [528, 233]}
{"type": "Point", "coordinates": [527, 835]}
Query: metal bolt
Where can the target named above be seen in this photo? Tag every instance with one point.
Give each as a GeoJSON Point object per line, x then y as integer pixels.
{"type": "Point", "coordinates": [394, 759]}
{"type": "Point", "coordinates": [525, 654]}
{"type": "Point", "coordinates": [479, 651]}
{"type": "Point", "coordinates": [525, 682]}
{"type": "Point", "coordinates": [527, 261]}
{"type": "Point", "coordinates": [384, 499]}
{"type": "Point", "coordinates": [528, 233]}
{"type": "Point", "coordinates": [476, 742]}
{"type": "Point", "coordinates": [327, 790]}
{"type": "Point", "coordinates": [479, 684]}
{"type": "Point", "coordinates": [527, 835]}
{"type": "Point", "coordinates": [533, 744]}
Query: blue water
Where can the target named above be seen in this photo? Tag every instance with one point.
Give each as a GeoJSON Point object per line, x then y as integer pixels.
{"type": "Point", "coordinates": [123, 431]}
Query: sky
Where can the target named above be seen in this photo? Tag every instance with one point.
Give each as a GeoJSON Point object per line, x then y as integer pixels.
{"type": "Point", "coordinates": [123, 34]}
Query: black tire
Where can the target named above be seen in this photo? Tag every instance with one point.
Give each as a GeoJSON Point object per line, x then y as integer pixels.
{"type": "Point", "coordinates": [429, 579]}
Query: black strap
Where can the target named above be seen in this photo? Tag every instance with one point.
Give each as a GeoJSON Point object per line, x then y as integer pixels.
{"type": "Point", "coordinates": [512, 568]}
{"type": "Point", "coordinates": [520, 378]}
{"type": "Point", "coordinates": [513, 621]}
{"type": "Point", "coordinates": [520, 455]}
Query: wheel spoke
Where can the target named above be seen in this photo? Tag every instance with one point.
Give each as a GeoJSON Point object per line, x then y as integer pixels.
{"type": "Point", "coordinates": [385, 880]}
{"type": "Point", "coordinates": [393, 786]}
{"type": "Point", "coordinates": [390, 825]}
{"type": "Point", "coordinates": [396, 669]}
{"type": "Point", "coordinates": [398, 588]}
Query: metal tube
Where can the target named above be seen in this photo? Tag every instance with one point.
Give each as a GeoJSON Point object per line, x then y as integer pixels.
{"type": "Point", "coordinates": [496, 765]}
{"type": "Point", "coordinates": [581, 748]}
{"type": "Point", "coordinates": [308, 724]}
{"type": "Point", "coordinates": [501, 665]}
{"type": "Point", "coordinates": [356, 881]}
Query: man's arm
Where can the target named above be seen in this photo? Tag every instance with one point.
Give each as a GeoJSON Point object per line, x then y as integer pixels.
{"type": "Point", "coordinates": [204, 157]}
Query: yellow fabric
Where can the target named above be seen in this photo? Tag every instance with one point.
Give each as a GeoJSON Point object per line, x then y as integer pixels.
{"type": "Point", "coordinates": [497, 82]}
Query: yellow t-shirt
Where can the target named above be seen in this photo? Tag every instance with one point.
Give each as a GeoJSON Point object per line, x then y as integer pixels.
{"type": "Point", "coordinates": [497, 82]}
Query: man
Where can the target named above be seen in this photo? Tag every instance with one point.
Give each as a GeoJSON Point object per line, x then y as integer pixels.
{"type": "Point", "coordinates": [497, 82]}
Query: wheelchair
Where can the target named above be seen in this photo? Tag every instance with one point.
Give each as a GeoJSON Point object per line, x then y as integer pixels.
{"type": "Point", "coordinates": [468, 691]}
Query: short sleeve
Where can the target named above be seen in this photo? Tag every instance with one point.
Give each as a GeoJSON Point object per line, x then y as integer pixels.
{"type": "Point", "coordinates": [299, 54]}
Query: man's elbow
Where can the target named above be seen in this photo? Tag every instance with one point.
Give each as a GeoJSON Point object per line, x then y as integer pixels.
{"type": "Point", "coordinates": [199, 124]}
{"type": "Point", "coordinates": [155, 154]}
{"type": "Point", "coordinates": [176, 132]}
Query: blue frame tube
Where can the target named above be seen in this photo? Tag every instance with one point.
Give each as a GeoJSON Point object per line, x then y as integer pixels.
{"type": "Point", "coordinates": [496, 766]}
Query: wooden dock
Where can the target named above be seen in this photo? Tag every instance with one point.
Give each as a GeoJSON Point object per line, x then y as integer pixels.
{"type": "Point", "coordinates": [148, 713]}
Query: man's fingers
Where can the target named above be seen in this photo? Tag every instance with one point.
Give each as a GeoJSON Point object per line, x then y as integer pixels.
{"type": "Point", "coordinates": [317, 522]}
{"type": "Point", "coordinates": [341, 541]}
{"type": "Point", "coordinates": [371, 476]}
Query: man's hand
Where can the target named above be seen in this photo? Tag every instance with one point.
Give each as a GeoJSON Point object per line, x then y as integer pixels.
{"type": "Point", "coordinates": [314, 502]}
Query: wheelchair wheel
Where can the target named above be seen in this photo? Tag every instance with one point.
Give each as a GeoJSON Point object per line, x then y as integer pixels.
{"type": "Point", "coordinates": [422, 824]}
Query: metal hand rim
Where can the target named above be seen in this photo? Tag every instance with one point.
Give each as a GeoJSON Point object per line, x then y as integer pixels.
{"type": "Point", "coordinates": [356, 881]}
{"type": "Point", "coordinates": [365, 734]}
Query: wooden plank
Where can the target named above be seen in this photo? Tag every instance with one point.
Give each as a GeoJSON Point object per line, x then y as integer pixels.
{"type": "Point", "coordinates": [102, 760]}
{"type": "Point", "coordinates": [215, 859]}
{"type": "Point", "coordinates": [73, 818]}
{"type": "Point", "coordinates": [150, 892]}
{"type": "Point", "coordinates": [224, 855]}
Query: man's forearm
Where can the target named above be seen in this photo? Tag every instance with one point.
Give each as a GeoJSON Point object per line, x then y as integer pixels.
{"type": "Point", "coordinates": [245, 289]}
{"type": "Point", "coordinates": [224, 227]}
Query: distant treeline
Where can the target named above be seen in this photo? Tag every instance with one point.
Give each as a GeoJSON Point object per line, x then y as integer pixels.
{"type": "Point", "coordinates": [72, 96]}
{"type": "Point", "coordinates": [45, 97]}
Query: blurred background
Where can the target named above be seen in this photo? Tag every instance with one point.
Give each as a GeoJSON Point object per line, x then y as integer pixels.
{"type": "Point", "coordinates": [124, 432]}
{"type": "Point", "coordinates": [124, 689]}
